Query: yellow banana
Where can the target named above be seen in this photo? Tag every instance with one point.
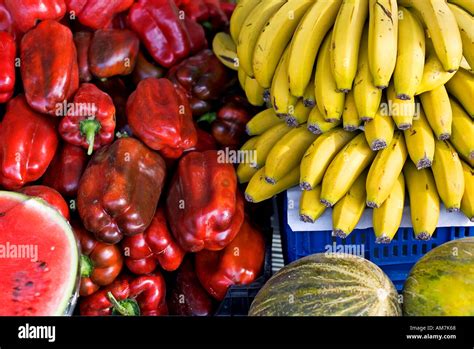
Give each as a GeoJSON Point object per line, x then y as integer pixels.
{"type": "Point", "coordinates": [379, 131]}
{"type": "Point", "coordinates": [448, 174]}
{"type": "Point", "coordinates": [282, 100]}
{"type": "Point", "coordinates": [420, 142]}
{"type": "Point", "coordinates": [424, 200]}
{"type": "Point", "coordinates": [467, 202]}
{"type": "Point", "coordinates": [345, 42]}
{"type": "Point", "coordinates": [287, 153]}
{"type": "Point", "coordinates": [274, 37]}
{"type": "Point", "coordinates": [259, 189]}
{"type": "Point", "coordinates": [411, 56]}
{"type": "Point", "coordinates": [251, 29]}
{"type": "Point", "coordinates": [299, 115]}
{"type": "Point", "coordinates": [309, 99]}
{"type": "Point", "coordinates": [240, 14]}
{"type": "Point", "coordinates": [366, 95]}
{"type": "Point", "coordinates": [467, 5]}
{"type": "Point", "coordinates": [443, 30]}
{"type": "Point", "coordinates": [320, 154]}
{"type": "Point", "coordinates": [244, 170]}
{"type": "Point", "coordinates": [466, 28]}
{"type": "Point", "coordinates": [387, 218]}
{"type": "Point", "coordinates": [309, 35]}
{"type": "Point", "coordinates": [317, 124]}
{"type": "Point", "coordinates": [465, 65]}
{"type": "Point", "coordinates": [350, 117]}
{"type": "Point", "coordinates": [438, 111]}
{"type": "Point", "coordinates": [328, 99]}
{"type": "Point", "coordinates": [383, 38]}
{"type": "Point", "coordinates": [225, 50]}
{"type": "Point", "coordinates": [254, 91]}
{"type": "Point", "coordinates": [461, 86]}
{"type": "Point", "coordinates": [384, 171]}
{"type": "Point", "coordinates": [462, 136]}
{"type": "Point", "coordinates": [344, 169]}
{"type": "Point", "coordinates": [347, 212]}
{"type": "Point", "coordinates": [402, 111]}
{"type": "Point", "coordinates": [311, 207]}
{"type": "Point", "coordinates": [262, 122]}
{"type": "Point", "coordinates": [267, 140]}
{"type": "Point", "coordinates": [242, 76]}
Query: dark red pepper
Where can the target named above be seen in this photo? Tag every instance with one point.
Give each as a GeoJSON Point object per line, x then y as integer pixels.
{"type": "Point", "coordinates": [51, 196]}
{"type": "Point", "coordinates": [83, 42]}
{"type": "Point", "coordinates": [205, 10]}
{"type": "Point", "coordinates": [97, 14]}
{"type": "Point", "coordinates": [205, 142]}
{"type": "Point", "coordinates": [27, 13]}
{"type": "Point", "coordinates": [7, 66]}
{"type": "Point", "coordinates": [145, 69]}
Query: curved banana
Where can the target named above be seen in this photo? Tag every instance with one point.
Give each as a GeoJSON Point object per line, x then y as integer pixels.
{"type": "Point", "coordinates": [467, 202]}
{"type": "Point", "coordinates": [299, 115]}
{"type": "Point", "coordinates": [345, 42]}
{"type": "Point", "coordinates": [309, 35]}
{"type": "Point", "coordinates": [350, 117]}
{"type": "Point", "coordinates": [387, 218]}
{"type": "Point", "coordinates": [383, 40]}
{"type": "Point", "coordinates": [411, 56]}
{"type": "Point", "coordinates": [287, 153]}
{"type": "Point", "coordinates": [274, 37]}
{"type": "Point", "coordinates": [465, 65]}
{"type": "Point", "coordinates": [347, 212]}
{"type": "Point", "coordinates": [379, 131]}
{"type": "Point", "coordinates": [402, 111]}
{"type": "Point", "coordinates": [244, 170]}
{"type": "Point", "coordinates": [262, 122]}
{"type": "Point", "coordinates": [461, 86]}
{"type": "Point", "coordinates": [448, 174]}
{"type": "Point", "coordinates": [320, 154]}
{"type": "Point", "coordinates": [259, 189]}
{"type": "Point", "coordinates": [466, 27]}
{"type": "Point", "coordinates": [328, 99]}
{"type": "Point", "coordinates": [225, 50]}
{"type": "Point", "coordinates": [240, 14]}
{"type": "Point", "coordinates": [309, 99]}
{"type": "Point", "coordinates": [424, 200]}
{"type": "Point", "coordinates": [384, 171]}
{"type": "Point", "coordinates": [267, 140]}
{"type": "Point", "coordinates": [282, 100]}
{"type": "Point", "coordinates": [254, 92]}
{"type": "Point", "coordinates": [420, 142]}
{"type": "Point", "coordinates": [317, 124]}
{"type": "Point", "coordinates": [344, 169]}
{"type": "Point", "coordinates": [242, 76]}
{"type": "Point", "coordinates": [438, 111]}
{"type": "Point", "coordinates": [311, 207]}
{"type": "Point", "coordinates": [467, 5]}
{"type": "Point", "coordinates": [251, 29]}
{"type": "Point", "coordinates": [462, 136]}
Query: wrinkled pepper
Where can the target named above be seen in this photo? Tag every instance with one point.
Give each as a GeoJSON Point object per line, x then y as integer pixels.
{"type": "Point", "coordinates": [97, 14]}
{"type": "Point", "coordinates": [50, 195]}
{"type": "Point", "coordinates": [113, 52]}
{"type": "Point", "coordinates": [91, 123]}
{"type": "Point", "coordinates": [7, 66]}
{"type": "Point", "coordinates": [100, 263]}
{"type": "Point", "coordinates": [83, 42]}
{"type": "Point", "coordinates": [145, 69]}
{"type": "Point", "coordinates": [203, 77]}
{"type": "Point", "coordinates": [240, 263]}
{"type": "Point", "coordinates": [144, 295]}
{"type": "Point", "coordinates": [143, 252]}
{"type": "Point", "coordinates": [167, 37]}
{"type": "Point", "coordinates": [159, 114]}
{"type": "Point", "coordinates": [28, 142]}
{"type": "Point", "coordinates": [49, 66]}
{"type": "Point", "coordinates": [66, 169]}
{"type": "Point", "coordinates": [204, 208]}
{"type": "Point", "coordinates": [27, 13]}
{"type": "Point", "coordinates": [119, 191]}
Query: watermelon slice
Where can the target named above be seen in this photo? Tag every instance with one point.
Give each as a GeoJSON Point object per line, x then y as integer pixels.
{"type": "Point", "coordinates": [39, 258]}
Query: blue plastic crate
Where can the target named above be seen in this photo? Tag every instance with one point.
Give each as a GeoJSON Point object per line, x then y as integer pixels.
{"type": "Point", "coordinates": [396, 259]}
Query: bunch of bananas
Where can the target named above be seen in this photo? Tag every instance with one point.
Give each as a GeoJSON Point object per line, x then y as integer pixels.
{"type": "Point", "coordinates": [363, 97]}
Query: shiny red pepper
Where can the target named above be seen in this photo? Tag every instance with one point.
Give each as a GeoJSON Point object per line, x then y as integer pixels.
{"type": "Point", "coordinates": [91, 123]}
{"type": "Point", "coordinates": [49, 66]}
{"type": "Point", "coordinates": [145, 69]}
{"type": "Point", "coordinates": [168, 37]}
{"type": "Point", "coordinates": [7, 66]}
{"type": "Point", "coordinates": [100, 263]}
{"type": "Point", "coordinates": [28, 142]}
{"type": "Point", "coordinates": [205, 142]}
{"type": "Point", "coordinates": [83, 42]}
{"type": "Point", "coordinates": [204, 208]}
{"type": "Point", "coordinates": [240, 263]}
{"type": "Point", "coordinates": [97, 14]}
{"type": "Point", "coordinates": [156, 246]}
{"type": "Point", "coordinates": [65, 171]}
{"type": "Point", "coordinates": [159, 115]}
{"type": "Point", "coordinates": [119, 191]}
{"type": "Point", "coordinates": [51, 196]}
{"type": "Point", "coordinates": [27, 13]}
{"type": "Point", "coordinates": [6, 21]}
{"type": "Point", "coordinates": [144, 295]}
{"type": "Point", "coordinates": [204, 10]}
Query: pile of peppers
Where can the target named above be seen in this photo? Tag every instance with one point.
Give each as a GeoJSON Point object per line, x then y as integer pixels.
{"type": "Point", "coordinates": [115, 112]}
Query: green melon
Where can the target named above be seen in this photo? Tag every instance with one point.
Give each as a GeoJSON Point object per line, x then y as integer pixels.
{"type": "Point", "coordinates": [442, 282]}
{"type": "Point", "coordinates": [327, 285]}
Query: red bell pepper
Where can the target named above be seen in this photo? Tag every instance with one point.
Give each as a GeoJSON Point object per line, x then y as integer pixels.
{"type": "Point", "coordinates": [91, 124]}
{"type": "Point", "coordinates": [83, 42]}
{"type": "Point", "coordinates": [49, 66]}
{"type": "Point", "coordinates": [145, 69]}
{"type": "Point", "coordinates": [144, 295]}
{"type": "Point", "coordinates": [204, 10]}
{"type": "Point", "coordinates": [159, 115]}
{"type": "Point", "coordinates": [26, 13]}
{"type": "Point", "coordinates": [155, 246]}
{"type": "Point", "coordinates": [204, 208]}
{"type": "Point", "coordinates": [113, 52]}
{"type": "Point", "coordinates": [7, 66]}
{"type": "Point", "coordinates": [97, 14]}
{"type": "Point", "coordinates": [100, 263]}
{"type": "Point", "coordinates": [65, 171]}
{"type": "Point", "coordinates": [6, 21]}
{"type": "Point", "coordinates": [28, 142]}
{"type": "Point", "coordinates": [119, 191]}
{"type": "Point", "coordinates": [205, 142]}
{"type": "Point", "coordinates": [167, 37]}
{"type": "Point", "coordinates": [240, 263]}
{"type": "Point", "coordinates": [50, 195]}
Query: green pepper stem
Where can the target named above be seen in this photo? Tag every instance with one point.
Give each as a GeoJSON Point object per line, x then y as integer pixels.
{"type": "Point", "coordinates": [89, 128]}
{"type": "Point", "coordinates": [208, 117]}
{"type": "Point", "coordinates": [86, 266]}
{"type": "Point", "coordinates": [124, 308]}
